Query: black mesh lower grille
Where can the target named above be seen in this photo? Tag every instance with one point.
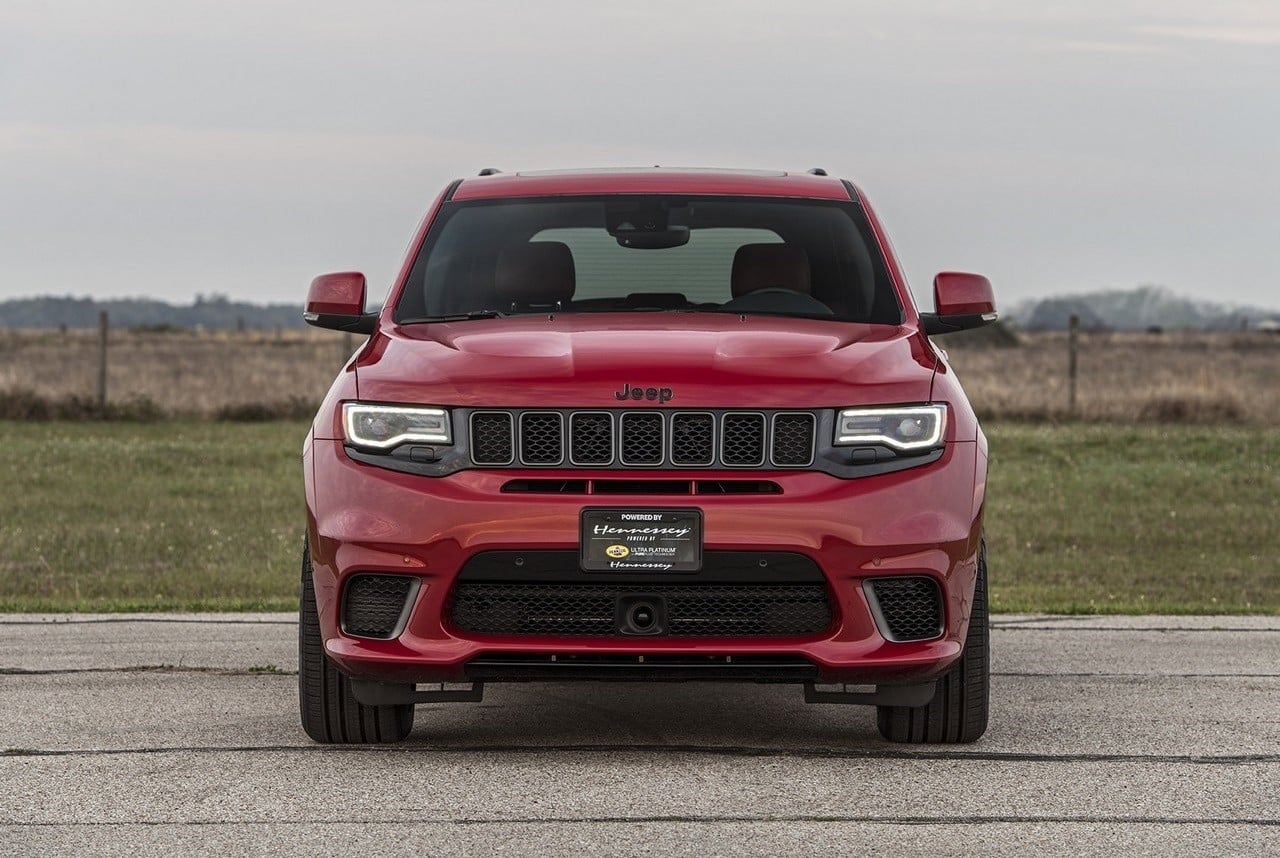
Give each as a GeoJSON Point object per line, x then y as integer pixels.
{"type": "Point", "coordinates": [910, 609]}
{"type": "Point", "coordinates": [372, 604]}
{"type": "Point", "coordinates": [725, 610]}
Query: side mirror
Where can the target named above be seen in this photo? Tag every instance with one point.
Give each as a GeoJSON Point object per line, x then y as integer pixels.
{"type": "Point", "coordinates": [961, 301]}
{"type": "Point", "coordinates": [336, 302]}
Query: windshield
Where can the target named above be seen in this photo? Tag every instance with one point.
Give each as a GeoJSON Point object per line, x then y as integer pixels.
{"type": "Point", "coordinates": [805, 258]}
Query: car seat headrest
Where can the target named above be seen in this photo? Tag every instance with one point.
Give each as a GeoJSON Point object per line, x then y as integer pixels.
{"type": "Point", "coordinates": [770, 266]}
{"type": "Point", "coordinates": [540, 272]}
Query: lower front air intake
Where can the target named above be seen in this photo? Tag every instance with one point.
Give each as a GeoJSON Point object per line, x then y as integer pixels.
{"type": "Point", "coordinates": [377, 606]}
{"type": "Point", "coordinates": [906, 608]}
{"type": "Point", "coordinates": [608, 610]}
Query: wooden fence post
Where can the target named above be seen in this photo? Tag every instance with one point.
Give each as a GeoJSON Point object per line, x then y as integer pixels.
{"type": "Point", "coordinates": [102, 360]}
{"type": "Point", "coordinates": [1073, 350]}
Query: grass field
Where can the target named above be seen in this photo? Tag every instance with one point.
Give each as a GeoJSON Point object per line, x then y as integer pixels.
{"type": "Point", "coordinates": [128, 516]}
{"type": "Point", "coordinates": [1144, 519]}
{"type": "Point", "coordinates": [196, 515]}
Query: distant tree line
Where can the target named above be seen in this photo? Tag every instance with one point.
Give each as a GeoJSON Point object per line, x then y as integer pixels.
{"type": "Point", "coordinates": [206, 311]}
{"type": "Point", "coordinates": [1143, 308]}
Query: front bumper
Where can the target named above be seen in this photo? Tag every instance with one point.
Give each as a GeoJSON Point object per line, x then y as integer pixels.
{"type": "Point", "coordinates": [922, 521]}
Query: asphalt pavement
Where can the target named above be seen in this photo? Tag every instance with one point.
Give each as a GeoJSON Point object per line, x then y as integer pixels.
{"type": "Point", "coordinates": [178, 734]}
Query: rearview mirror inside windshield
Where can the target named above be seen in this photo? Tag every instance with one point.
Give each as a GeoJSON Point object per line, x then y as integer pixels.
{"type": "Point", "coordinates": [648, 225]}
{"type": "Point", "coordinates": [641, 239]}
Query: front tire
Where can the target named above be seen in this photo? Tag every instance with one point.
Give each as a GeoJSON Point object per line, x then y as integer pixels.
{"type": "Point", "coordinates": [330, 712]}
{"type": "Point", "coordinates": [958, 711]}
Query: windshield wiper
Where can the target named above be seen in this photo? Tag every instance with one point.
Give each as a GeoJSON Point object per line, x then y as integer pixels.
{"type": "Point", "coordinates": [455, 317]}
{"type": "Point", "coordinates": [781, 314]}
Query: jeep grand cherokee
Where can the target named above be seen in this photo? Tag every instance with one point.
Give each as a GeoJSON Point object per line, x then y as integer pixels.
{"type": "Point", "coordinates": [646, 425]}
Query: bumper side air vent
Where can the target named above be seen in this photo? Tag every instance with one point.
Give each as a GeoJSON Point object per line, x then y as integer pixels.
{"type": "Point", "coordinates": [906, 609]}
{"type": "Point", "coordinates": [377, 606]}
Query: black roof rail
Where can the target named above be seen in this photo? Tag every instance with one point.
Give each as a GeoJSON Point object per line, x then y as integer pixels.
{"type": "Point", "coordinates": [817, 171]}
{"type": "Point", "coordinates": [490, 171]}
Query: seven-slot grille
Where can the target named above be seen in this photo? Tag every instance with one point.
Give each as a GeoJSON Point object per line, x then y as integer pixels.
{"type": "Point", "coordinates": [643, 439]}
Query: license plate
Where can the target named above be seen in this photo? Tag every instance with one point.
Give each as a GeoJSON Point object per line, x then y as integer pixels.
{"type": "Point", "coordinates": [641, 540]}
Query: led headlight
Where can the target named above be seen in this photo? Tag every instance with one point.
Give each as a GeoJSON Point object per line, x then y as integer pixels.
{"type": "Point", "coordinates": [382, 427]}
{"type": "Point", "coordinates": [906, 427]}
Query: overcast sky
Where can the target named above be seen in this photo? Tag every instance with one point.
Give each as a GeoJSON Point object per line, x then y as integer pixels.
{"type": "Point", "coordinates": [173, 148]}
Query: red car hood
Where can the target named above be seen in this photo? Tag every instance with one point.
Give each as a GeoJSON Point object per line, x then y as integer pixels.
{"type": "Point", "coordinates": [706, 360]}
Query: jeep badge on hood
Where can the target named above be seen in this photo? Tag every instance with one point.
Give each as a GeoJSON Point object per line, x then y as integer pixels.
{"type": "Point", "coordinates": [662, 394]}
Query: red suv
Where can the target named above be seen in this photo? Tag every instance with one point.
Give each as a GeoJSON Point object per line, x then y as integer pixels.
{"type": "Point", "coordinates": [646, 424]}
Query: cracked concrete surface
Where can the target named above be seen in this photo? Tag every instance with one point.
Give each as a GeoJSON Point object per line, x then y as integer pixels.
{"type": "Point", "coordinates": [138, 735]}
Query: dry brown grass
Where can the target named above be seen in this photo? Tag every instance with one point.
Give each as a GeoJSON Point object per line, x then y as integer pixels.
{"type": "Point", "coordinates": [1209, 378]}
{"type": "Point", "coordinates": [1184, 377]}
{"type": "Point", "coordinates": [241, 375]}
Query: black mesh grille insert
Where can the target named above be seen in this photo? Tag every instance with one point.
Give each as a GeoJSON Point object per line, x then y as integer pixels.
{"type": "Point", "coordinates": [642, 439]}
{"type": "Point", "coordinates": [591, 438]}
{"type": "Point", "coordinates": [372, 604]}
{"type": "Point", "coordinates": [742, 439]}
{"type": "Point", "coordinates": [491, 438]}
{"type": "Point", "coordinates": [721, 610]}
{"type": "Point", "coordinates": [792, 439]}
{"type": "Point", "coordinates": [692, 439]}
{"type": "Point", "coordinates": [541, 438]}
{"type": "Point", "coordinates": [911, 608]}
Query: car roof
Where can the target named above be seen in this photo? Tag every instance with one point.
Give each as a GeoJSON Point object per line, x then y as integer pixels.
{"type": "Point", "coordinates": [652, 180]}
